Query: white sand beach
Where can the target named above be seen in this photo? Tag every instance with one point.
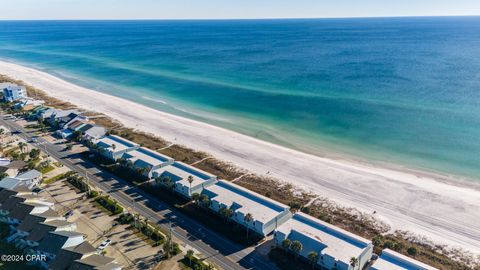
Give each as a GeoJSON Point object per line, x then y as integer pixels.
{"type": "Point", "coordinates": [435, 206]}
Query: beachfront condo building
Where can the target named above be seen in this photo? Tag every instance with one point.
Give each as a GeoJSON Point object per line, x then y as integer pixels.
{"type": "Point", "coordinates": [145, 161]}
{"type": "Point", "coordinates": [335, 247]}
{"type": "Point", "coordinates": [14, 92]}
{"type": "Point", "coordinates": [391, 260]}
{"type": "Point", "coordinates": [184, 179]}
{"type": "Point", "coordinates": [264, 214]}
{"type": "Point", "coordinates": [114, 147]}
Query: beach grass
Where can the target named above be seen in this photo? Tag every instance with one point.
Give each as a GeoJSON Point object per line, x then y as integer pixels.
{"type": "Point", "coordinates": [441, 258]}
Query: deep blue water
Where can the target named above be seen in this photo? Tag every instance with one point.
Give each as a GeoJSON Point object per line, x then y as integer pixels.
{"type": "Point", "coordinates": [404, 90]}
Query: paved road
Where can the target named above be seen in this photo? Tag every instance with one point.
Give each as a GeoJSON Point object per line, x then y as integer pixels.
{"type": "Point", "coordinates": [216, 248]}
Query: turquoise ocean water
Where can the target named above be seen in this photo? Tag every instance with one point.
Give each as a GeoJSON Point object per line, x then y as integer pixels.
{"type": "Point", "coordinates": [401, 90]}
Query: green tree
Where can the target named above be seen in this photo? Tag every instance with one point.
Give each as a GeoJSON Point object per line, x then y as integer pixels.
{"type": "Point", "coordinates": [226, 213]}
{"type": "Point", "coordinates": [286, 244]}
{"type": "Point", "coordinates": [34, 153]}
{"type": "Point", "coordinates": [205, 200]}
{"type": "Point", "coordinates": [77, 135]}
{"type": "Point", "coordinates": [248, 218]}
{"type": "Point", "coordinates": [353, 262]}
{"type": "Point", "coordinates": [296, 247]}
{"type": "Point", "coordinates": [312, 258]}
{"type": "Point", "coordinates": [190, 181]}
{"type": "Point", "coordinates": [196, 197]}
{"type": "Point", "coordinates": [412, 251]}
{"type": "Point", "coordinates": [22, 146]}
{"type": "Point", "coordinates": [189, 256]}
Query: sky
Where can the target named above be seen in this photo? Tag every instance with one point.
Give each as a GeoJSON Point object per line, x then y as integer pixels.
{"type": "Point", "coordinates": [230, 9]}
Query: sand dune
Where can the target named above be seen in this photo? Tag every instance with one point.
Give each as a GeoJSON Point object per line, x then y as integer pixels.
{"type": "Point", "coordinates": [439, 207]}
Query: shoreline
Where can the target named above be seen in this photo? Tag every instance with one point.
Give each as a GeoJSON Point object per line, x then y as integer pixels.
{"type": "Point", "coordinates": [445, 208]}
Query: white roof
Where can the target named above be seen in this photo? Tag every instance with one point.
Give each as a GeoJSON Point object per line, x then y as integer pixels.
{"type": "Point", "coordinates": [245, 201]}
{"type": "Point", "coordinates": [147, 156]}
{"type": "Point", "coordinates": [119, 142]}
{"type": "Point", "coordinates": [32, 174]}
{"type": "Point", "coordinates": [391, 260]}
{"type": "Point", "coordinates": [323, 238]}
{"type": "Point", "coordinates": [179, 172]}
{"type": "Point", "coordinates": [63, 113]}
{"type": "Point", "coordinates": [4, 161]}
{"type": "Point", "coordinates": [10, 183]}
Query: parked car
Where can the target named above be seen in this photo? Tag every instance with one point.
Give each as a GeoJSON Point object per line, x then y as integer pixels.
{"type": "Point", "coordinates": [68, 214]}
{"type": "Point", "coordinates": [104, 244]}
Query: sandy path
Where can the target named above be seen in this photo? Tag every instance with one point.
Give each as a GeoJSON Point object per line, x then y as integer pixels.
{"type": "Point", "coordinates": [427, 204]}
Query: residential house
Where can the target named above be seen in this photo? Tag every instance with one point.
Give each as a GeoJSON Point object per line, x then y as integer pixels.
{"type": "Point", "coordinates": [335, 247]}
{"type": "Point", "coordinates": [66, 256]}
{"type": "Point", "coordinates": [5, 194]}
{"type": "Point", "coordinates": [12, 168]}
{"type": "Point", "coordinates": [95, 262]}
{"type": "Point", "coordinates": [54, 241]}
{"type": "Point", "coordinates": [32, 220]}
{"type": "Point", "coordinates": [61, 117]}
{"type": "Point", "coordinates": [28, 224]}
{"type": "Point", "coordinates": [184, 179]}
{"type": "Point", "coordinates": [114, 147]}
{"type": "Point", "coordinates": [71, 127]}
{"type": "Point", "coordinates": [145, 161]}
{"type": "Point", "coordinates": [20, 211]}
{"type": "Point", "coordinates": [265, 214]}
{"type": "Point", "coordinates": [86, 128]}
{"type": "Point", "coordinates": [14, 209]}
{"type": "Point", "coordinates": [92, 132]}
{"type": "Point", "coordinates": [36, 112]}
{"type": "Point", "coordinates": [47, 114]}
{"type": "Point", "coordinates": [30, 179]}
{"type": "Point", "coordinates": [14, 92]}
{"type": "Point", "coordinates": [28, 104]}
{"type": "Point", "coordinates": [391, 260]}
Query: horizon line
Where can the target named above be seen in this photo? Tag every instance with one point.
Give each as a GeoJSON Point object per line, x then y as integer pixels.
{"type": "Point", "coordinates": [246, 19]}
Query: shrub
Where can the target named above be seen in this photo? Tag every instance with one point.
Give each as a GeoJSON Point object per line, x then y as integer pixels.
{"type": "Point", "coordinates": [412, 251]}
{"type": "Point", "coordinates": [109, 204]}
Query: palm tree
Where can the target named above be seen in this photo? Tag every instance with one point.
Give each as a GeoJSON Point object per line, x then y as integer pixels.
{"type": "Point", "coordinates": [196, 197]}
{"type": "Point", "coordinates": [296, 247]}
{"type": "Point", "coordinates": [226, 213]}
{"type": "Point", "coordinates": [189, 255]}
{"type": "Point", "coordinates": [286, 244]}
{"type": "Point", "coordinates": [205, 200]}
{"type": "Point", "coordinates": [313, 258]}
{"type": "Point", "coordinates": [353, 262]}
{"type": "Point", "coordinates": [22, 146]}
{"type": "Point", "coordinates": [248, 218]}
{"type": "Point", "coordinates": [190, 181]}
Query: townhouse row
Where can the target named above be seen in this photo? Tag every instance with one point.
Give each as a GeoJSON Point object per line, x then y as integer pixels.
{"type": "Point", "coordinates": [334, 246]}
{"type": "Point", "coordinates": [36, 229]}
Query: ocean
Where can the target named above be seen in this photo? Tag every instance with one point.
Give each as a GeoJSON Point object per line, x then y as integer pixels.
{"type": "Point", "coordinates": [395, 90]}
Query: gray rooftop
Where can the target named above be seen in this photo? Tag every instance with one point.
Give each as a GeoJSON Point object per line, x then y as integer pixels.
{"type": "Point", "coordinates": [120, 143]}
{"type": "Point", "coordinates": [147, 157]}
{"type": "Point", "coordinates": [326, 238]}
{"type": "Point", "coordinates": [391, 260]}
{"type": "Point", "coordinates": [245, 201]}
{"type": "Point", "coordinates": [31, 174]}
{"type": "Point", "coordinates": [179, 173]}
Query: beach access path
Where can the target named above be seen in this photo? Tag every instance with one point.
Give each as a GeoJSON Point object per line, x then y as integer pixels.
{"type": "Point", "coordinates": [441, 208]}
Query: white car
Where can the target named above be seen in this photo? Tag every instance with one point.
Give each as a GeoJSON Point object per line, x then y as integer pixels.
{"type": "Point", "coordinates": [104, 244]}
